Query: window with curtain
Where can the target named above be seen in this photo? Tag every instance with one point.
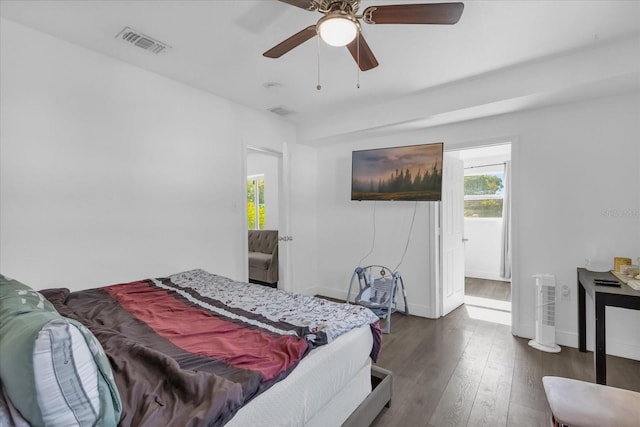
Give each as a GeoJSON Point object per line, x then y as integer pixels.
{"type": "Point", "coordinates": [483, 195]}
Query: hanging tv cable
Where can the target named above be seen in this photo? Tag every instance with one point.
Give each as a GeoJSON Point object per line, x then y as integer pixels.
{"type": "Point", "coordinates": [373, 242]}
{"type": "Point", "coordinates": [406, 246]}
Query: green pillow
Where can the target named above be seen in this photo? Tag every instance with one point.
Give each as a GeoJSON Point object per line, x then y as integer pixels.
{"type": "Point", "coordinates": [53, 369]}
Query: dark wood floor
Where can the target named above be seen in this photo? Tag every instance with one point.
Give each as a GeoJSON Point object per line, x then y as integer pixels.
{"type": "Point", "coordinates": [458, 371]}
{"type": "Point", "coordinates": [491, 289]}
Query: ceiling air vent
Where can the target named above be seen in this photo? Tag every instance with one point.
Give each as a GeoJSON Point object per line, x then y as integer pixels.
{"type": "Point", "coordinates": [141, 40]}
{"type": "Point", "coordinates": [281, 111]}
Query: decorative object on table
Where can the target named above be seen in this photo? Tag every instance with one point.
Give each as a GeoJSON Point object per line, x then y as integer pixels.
{"type": "Point", "coordinates": [597, 266]}
{"type": "Point", "coordinates": [619, 262]}
{"type": "Point", "coordinates": [630, 270]}
{"type": "Point", "coordinates": [634, 284]}
{"type": "Point", "coordinates": [628, 273]}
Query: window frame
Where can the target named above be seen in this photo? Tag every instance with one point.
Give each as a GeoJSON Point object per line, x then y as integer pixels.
{"type": "Point", "coordinates": [485, 170]}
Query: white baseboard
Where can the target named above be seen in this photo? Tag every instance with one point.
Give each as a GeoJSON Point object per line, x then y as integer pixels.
{"type": "Point", "coordinates": [614, 347]}
{"type": "Point", "coordinates": [570, 339]}
{"type": "Point", "coordinates": [414, 309]}
{"type": "Point", "coordinates": [313, 291]}
{"type": "Point", "coordinates": [567, 339]}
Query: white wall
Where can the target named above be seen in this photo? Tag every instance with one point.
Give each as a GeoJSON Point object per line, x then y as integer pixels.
{"type": "Point", "coordinates": [575, 185]}
{"type": "Point", "coordinates": [346, 231]}
{"type": "Point", "coordinates": [482, 251]}
{"type": "Point", "coordinates": [578, 195]}
{"type": "Point", "coordinates": [110, 173]}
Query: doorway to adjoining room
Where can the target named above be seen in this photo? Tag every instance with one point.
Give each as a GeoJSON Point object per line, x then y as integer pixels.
{"type": "Point", "coordinates": [262, 216]}
{"type": "Point", "coordinates": [487, 232]}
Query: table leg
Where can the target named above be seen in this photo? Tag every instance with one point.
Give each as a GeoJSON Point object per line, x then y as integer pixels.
{"type": "Point", "coordinates": [582, 319]}
{"type": "Point", "coordinates": [601, 351]}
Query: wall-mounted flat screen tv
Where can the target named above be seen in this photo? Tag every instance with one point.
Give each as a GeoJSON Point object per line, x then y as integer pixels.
{"type": "Point", "coordinates": [411, 172]}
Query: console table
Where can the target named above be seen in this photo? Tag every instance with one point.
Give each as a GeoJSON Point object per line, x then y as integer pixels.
{"type": "Point", "coordinates": [612, 296]}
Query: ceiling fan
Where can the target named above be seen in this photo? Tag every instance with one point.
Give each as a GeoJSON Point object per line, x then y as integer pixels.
{"type": "Point", "coordinates": [340, 25]}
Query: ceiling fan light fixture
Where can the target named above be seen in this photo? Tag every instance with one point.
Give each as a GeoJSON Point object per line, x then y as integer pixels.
{"type": "Point", "coordinates": [338, 29]}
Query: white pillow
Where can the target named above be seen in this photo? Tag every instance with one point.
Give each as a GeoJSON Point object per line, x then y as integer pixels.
{"type": "Point", "coordinates": [64, 372]}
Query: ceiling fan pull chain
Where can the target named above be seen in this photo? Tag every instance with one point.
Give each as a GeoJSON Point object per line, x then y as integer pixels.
{"type": "Point", "coordinates": [358, 55]}
{"type": "Point", "coordinates": [318, 87]}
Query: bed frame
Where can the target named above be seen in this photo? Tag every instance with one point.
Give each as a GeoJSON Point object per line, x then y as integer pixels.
{"type": "Point", "coordinates": [380, 396]}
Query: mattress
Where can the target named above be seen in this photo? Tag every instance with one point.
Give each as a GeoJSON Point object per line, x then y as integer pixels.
{"type": "Point", "coordinates": [308, 396]}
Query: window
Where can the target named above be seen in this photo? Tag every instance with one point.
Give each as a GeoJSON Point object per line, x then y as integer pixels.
{"type": "Point", "coordinates": [483, 195]}
{"type": "Point", "coordinates": [255, 202]}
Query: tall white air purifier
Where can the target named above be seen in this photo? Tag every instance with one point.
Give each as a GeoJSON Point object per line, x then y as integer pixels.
{"type": "Point", "coordinates": [545, 314]}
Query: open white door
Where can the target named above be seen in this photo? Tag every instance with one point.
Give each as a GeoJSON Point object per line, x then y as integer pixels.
{"type": "Point", "coordinates": [284, 246]}
{"type": "Point", "coordinates": [452, 237]}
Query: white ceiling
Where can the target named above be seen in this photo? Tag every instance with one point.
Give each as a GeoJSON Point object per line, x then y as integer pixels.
{"type": "Point", "coordinates": [217, 46]}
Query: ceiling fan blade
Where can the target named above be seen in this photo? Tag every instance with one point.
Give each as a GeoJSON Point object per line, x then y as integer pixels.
{"type": "Point", "coordinates": [294, 41]}
{"type": "Point", "coordinates": [302, 4]}
{"type": "Point", "coordinates": [366, 59]}
{"type": "Point", "coordinates": [432, 13]}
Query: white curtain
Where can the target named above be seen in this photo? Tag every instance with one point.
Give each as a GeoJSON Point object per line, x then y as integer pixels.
{"type": "Point", "coordinates": [505, 259]}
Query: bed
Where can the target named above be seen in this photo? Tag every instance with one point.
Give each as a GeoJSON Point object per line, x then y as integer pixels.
{"type": "Point", "coordinates": [195, 348]}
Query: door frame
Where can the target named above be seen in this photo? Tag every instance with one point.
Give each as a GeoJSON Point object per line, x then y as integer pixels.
{"type": "Point", "coordinates": [285, 278]}
{"type": "Point", "coordinates": [436, 242]}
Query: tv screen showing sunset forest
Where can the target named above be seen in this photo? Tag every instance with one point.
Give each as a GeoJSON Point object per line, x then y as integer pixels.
{"type": "Point", "coordinates": [411, 172]}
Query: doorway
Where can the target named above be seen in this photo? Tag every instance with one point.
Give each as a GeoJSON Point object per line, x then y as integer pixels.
{"type": "Point", "coordinates": [264, 177]}
{"type": "Point", "coordinates": [486, 218]}
{"type": "Point", "coordinates": [268, 170]}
